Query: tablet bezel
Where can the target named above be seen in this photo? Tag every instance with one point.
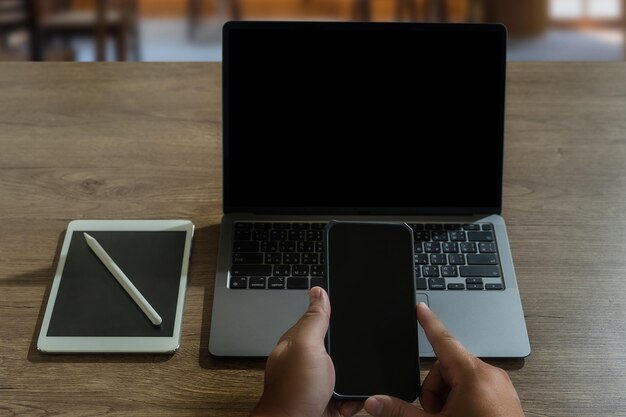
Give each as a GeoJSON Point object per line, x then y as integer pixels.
{"type": "Point", "coordinates": [108, 344]}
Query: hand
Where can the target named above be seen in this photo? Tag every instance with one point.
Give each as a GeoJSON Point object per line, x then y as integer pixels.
{"type": "Point", "coordinates": [458, 385]}
{"type": "Point", "coordinates": [299, 375]}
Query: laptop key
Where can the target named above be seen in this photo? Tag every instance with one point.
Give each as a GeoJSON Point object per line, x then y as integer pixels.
{"type": "Point", "coordinates": [276, 283]}
{"type": "Point", "coordinates": [493, 286]}
{"type": "Point", "coordinates": [319, 246]}
{"type": "Point", "coordinates": [479, 271]}
{"type": "Point", "coordinates": [297, 235]}
{"type": "Point", "coordinates": [473, 280]}
{"type": "Point", "coordinates": [420, 284]}
{"type": "Point", "coordinates": [263, 225]}
{"type": "Point", "coordinates": [291, 258]}
{"type": "Point", "coordinates": [300, 226]}
{"type": "Point", "coordinates": [480, 236]}
{"type": "Point", "coordinates": [449, 271]}
{"type": "Point", "coordinates": [281, 226]}
{"type": "Point", "coordinates": [487, 226]}
{"type": "Point", "coordinates": [248, 258]}
{"type": "Point", "coordinates": [314, 235]}
{"type": "Point", "coordinates": [432, 247]}
{"type": "Point", "coordinates": [243, 246]}
{"type": "Point", "coordinates": [242, 234]}
{"type": "Point", "coordinates": [273, 258]}
{"type": "Point", "coordinates": [259, 234]}
{"type": "Point", "coordinates": [247, 270]}
{"type": "Point", "coordinates": [297, 283]}
{"type": "Point", "coordinates": [421, 235]}
{"type": "Point", "coordinates": [287, 246]}
{"type": "Point", "coordinates": [474, 286]}
{"type": "Point", "coordinates": [305, 246]}
{"type": "Point", "coordinates": [421, 259]}
{"type": "Point", "coordinates": [309, 258]}
{"type": "Point", "coordinates": [482, 259]}
{"type": "Point", "coordinates": [282, 270]}
{"type": "Point", "coordinates": [433, 226]}
{"type": "Point", "coordinates": [318, 282]}
{"type": "Point", "coordinates": [238, 283]}
{"type": "Point", "coordinates": [318, 270]}
{"type": "Point", "coordinates": [278, 234]}
{"type": "Point", "coordinates": [256, 283]}
{"type": "Point", "coordinates": [269, 246]}
{"type": "Point", "coordinates": [300, 270]}
{"type": "Point", "coordinates": [456, 259]}
{"type": "Point", "coordinates": [458, 236]}
{"type": "Point", "coordinates": [430, 271]}
{"type": "Point", "coordinates": [438, 259]}
{"type": "Point", "coordinates": [456, 286]}
{"type": "Point", "coordinates": [468, 247]}
{"type": "Point", "coordinates": [417, 247]}
{"type": "Point", "coordinates": [471, 227]}
{"type": "Point", "coordinates": [450, 247]}
{"type": "Point", "coordinates": [487, 248]}
{"type": "Point", "coordinates": [243, 225]}
{"type": "Point", "coordinates": [437, 284]}
{"type": "Point", "coordinates": [318, 226]}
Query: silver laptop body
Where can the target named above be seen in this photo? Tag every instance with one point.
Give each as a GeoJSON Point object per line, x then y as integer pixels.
{"type": "Point", "coordinates": [317, 127]}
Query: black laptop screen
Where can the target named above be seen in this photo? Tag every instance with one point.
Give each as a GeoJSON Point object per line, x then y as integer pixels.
{"type": "Point", "coordinates": [357, 118]}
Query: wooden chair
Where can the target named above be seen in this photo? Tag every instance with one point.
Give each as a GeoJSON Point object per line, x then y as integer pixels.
{"type": "Point", "coordinates": [195, 10]}
{"type": "Point", "coordinates": [19, 16]}
{"type": "Point", "coordinates": [117, 19]}
{"type": "Point", "coordinates": [426, 10]}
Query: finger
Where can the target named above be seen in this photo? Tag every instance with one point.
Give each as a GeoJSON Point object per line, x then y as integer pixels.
{"type": "Point", "coordinates": [385, 406]}
{"type": "Point", "coordinates": [313, 324]}
{"type": "Point", "coordinates": [450, 352]}
{"type": "Point", "coordinates": [349, 408]}
{"type": "Point", "coordinates": [434, 390]}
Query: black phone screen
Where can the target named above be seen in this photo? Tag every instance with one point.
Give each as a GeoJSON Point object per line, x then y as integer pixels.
{"type": "Point", "coordinates": [372, 337]}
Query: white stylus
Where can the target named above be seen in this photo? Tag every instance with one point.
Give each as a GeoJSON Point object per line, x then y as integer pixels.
{"type": "Point", "coordinates": [119, 275]}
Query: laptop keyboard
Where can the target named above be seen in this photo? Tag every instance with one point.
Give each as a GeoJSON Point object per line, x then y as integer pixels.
{"type": "Point", "coordinates": [290, 255]}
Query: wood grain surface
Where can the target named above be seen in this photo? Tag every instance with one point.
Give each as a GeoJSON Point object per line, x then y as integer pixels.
{"type": "Point", "coordinates": [143, 141]}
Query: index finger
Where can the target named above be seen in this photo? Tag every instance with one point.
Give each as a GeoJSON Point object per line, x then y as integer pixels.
{"type": "Point", "coordinates": [450, 352]}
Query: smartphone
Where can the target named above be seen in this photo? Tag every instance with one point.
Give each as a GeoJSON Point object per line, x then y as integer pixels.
{"type": "Point", "coordinates": [372, 337]}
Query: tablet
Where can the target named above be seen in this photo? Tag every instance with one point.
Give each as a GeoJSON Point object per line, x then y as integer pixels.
{"type": "Point", "coordinates": [90, 311]}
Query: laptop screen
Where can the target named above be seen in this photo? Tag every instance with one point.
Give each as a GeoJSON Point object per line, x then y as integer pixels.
{"type": "Point", "coordinates": [381, 118]}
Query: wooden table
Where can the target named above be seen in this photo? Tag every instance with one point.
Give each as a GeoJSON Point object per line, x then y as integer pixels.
{"type": "Point", "coordinates": [144, 141]}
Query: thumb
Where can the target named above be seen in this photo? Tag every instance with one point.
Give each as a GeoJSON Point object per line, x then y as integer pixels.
{"type": "Point", "coordinates": [386, 406]}
{"type": "Point", "coordinates": [313, 324]}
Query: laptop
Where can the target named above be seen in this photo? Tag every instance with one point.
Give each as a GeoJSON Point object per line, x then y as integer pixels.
{"type": "Point", "coordinates": [399, 122]}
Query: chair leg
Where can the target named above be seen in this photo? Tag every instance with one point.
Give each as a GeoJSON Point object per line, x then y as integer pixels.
{"type": "Point", "coordinates": [412, 9]}
{"type": "Point", "coordinates": [193, 15]}
{"type": "Point", "coordinates": [32, 9]}
{"type": "Point", "coordinates": [134, 29]}
{"type": "Point", "coordinates": [362, 10]}
{"type": "Point", "coordinates": [100, 30]}
{"type": "Point", "coordinates": [399, 10]}
{"type": "Point", "coordinates": [235, 9]}
{"type": "Point", "coordinates": [121, 47]}
{"type": "Point", "coordinates": [136, 43]}
{"type": "Point", "coordinates": [438, 10]}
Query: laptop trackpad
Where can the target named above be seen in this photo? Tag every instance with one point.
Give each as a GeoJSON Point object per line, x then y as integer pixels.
{"type": "Point", "coordinates": [424, 346]}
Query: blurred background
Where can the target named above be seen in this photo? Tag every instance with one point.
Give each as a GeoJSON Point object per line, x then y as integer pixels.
{"type": "Point", "coordinates": [190, 30]}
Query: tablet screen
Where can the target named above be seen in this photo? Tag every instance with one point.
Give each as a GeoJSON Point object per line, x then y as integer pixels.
{"type": "Point", "coordinates": [91, 303]}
